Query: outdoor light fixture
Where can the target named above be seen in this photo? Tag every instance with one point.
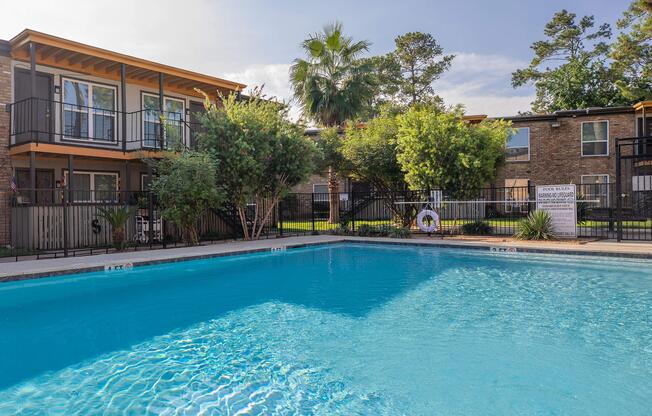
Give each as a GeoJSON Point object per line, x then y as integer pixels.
{"type": "Point", "coordinates": [57, 89]}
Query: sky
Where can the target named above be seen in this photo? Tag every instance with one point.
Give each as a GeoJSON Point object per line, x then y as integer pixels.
{"type": "Point", "coordinates": [255, 41]}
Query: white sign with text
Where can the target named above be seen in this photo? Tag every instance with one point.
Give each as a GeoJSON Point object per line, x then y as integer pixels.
{"type": "Point", "coordinates": [560, 202]}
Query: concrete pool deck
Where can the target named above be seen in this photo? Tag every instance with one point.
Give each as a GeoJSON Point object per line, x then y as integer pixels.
{"type": "Point", "coordinates": [47, 267]}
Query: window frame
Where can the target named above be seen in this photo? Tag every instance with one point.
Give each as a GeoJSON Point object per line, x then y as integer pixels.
{"type": "Point", "coordinates": [594, 141]}
{"type": "Point", "coordinates": [144, 94]}
{"type": "Point", "coordinates": [520, 147]}
{"type": "Point", "coordinates": [511, 206]}
{"type": "Point", "coordinates": [92, 190]}
{"type": "Point", "coordinates": [91, 111]}
{"type": "Point", "coordinates": [606, 183]}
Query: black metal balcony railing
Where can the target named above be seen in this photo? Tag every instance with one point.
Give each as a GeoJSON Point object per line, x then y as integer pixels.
{"type": "Point", "coordinates": [49, 121]}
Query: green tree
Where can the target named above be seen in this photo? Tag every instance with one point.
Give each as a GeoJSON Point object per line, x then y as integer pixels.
{"type": "Point", "coordinates": [632, 52]}
{"type": "Point", "coordinates": [259, 153]}
{"type": "Point", "coordinates": [370, 154]}
{"type": "Point", "coordinates": [440, 150]}
{"type": "Point", "coordinates": [186, 187]}
{"type": "Point", "coordinates": [582, 78]}
{"type": "Point", "coordinates": [407, 73]}
{"type": "Point", "coordinates": [332, 85]}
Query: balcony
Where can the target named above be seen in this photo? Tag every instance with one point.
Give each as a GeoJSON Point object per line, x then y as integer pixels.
{"type": "Point", "coordinates": [40, 121]}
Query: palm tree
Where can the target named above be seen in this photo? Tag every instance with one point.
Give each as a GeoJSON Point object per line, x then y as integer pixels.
{"type": "Point", "coordinates": [332, 85]}
{"type": "Point", "coordinates": [117, 218]}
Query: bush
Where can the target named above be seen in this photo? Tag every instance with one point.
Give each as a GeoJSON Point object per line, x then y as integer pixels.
{"type": "Point", "coordinates": [537, 226]}
{"type": "Point", "coordinates": [478, 227]}
{"type": "Point", "coordinates": [366, 230]}
{"type": "Point", "coordinates": [399, 232]}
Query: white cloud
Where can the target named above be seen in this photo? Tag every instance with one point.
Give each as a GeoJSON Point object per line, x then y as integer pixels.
{"type": "Point", "coordinates": [482, 84]}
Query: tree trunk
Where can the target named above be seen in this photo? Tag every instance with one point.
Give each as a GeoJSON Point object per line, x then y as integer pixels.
{"type": "Point", "coordinates": [333, 197]}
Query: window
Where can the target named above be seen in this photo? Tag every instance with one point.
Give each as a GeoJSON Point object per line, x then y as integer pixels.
{"type": "Point", "coordinates": [93, 186]}
{"type": "Point", "coordinates": [518, 145]}
{"type": "Point", "coordinates": [595, 138]}
{"type": "Point", "coordinates": [89, 111]}
{"type": "Point", "coordinates": [173, 111]}
{"type": "Point", "coordinates": [517, 193]}
{"type": "Point", "coordinates": [596, 188]}
{"type": "Point", "coordinates": [321, 191]}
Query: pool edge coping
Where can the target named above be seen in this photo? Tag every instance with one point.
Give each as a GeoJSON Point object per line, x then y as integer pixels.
{"type": "Point", "coordinates": [499, 247]}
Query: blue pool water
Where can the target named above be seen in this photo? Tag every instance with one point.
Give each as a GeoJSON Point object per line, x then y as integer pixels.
{"type": "Point", "coordinates": [337, 329]}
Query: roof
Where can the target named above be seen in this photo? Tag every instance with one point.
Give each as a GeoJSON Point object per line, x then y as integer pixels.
{"type": "Point", "coordinates": [56, 51]}
{"type": "Point", "coordinates": [569, 113]}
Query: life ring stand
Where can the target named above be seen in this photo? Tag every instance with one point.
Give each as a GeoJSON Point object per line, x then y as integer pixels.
{"type": "Point", "coordinates": [434, 223]}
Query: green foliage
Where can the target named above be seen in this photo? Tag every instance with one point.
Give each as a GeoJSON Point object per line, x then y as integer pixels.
{"type": "Point", "coordinates": [582, 78]}
{"type": "Point", "coordinates": [385, 230]}
{"type": "Point", "coordinates": [399, 232]}
{"type": "Point", "coordinates": [332, 84]}
{"type": "Point", "coordinates": [117, 218]}
{"type": "Point", "coordinates": [329, 150]}
{"type": "Point", "coordinates": [259, 155]}
{"type": "Point", "coordinates": [370, 154]}
{"type": "Point", "coordinates": [478, 227]}
{"type": "Point", "coordinates": [409, 70]}
{"type": "Point", "coordinates": [439, 150]}
{"type": "Point", "coordinates": [537, 226]}
{"type": "Point", "coordinates": [186, 186]}
{"type": "Point", "coordinates": [632, 52]}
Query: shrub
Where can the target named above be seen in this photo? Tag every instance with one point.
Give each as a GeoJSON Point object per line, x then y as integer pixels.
{"type": "Point", "coordinates": [385, 230]}
{"type": "Point", "coordinates": [365, 230]}
{"type": "Point", "coordinates": [399, 232]}
{"type": "Point", "coordinates": [117, 218]}
{"type": "Point", "coordinates": [478, 227]}
{"type": "Point", "coordinates": [537, 226]}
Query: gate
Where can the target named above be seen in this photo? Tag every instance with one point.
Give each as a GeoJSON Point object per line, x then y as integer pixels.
{"type": "Point", "coordinates": [634, 188]}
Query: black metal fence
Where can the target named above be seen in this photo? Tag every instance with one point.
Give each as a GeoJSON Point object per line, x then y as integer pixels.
{"type": "Point", "coordinates": [57, 122]}
{"type": "Point", "coordinates": [61, 222]}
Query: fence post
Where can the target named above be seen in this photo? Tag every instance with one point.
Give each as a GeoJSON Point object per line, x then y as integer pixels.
{"type": "Point", "coordinates": [352, 212]}
{"type": "Point", "coordinates": [312, 211]}
{"type": "Point", "coordinates": [66, 198]}
{"type": "Point", "coordinates": [280, 217]}
{"type": "Point", "coordinates": [619, 201]}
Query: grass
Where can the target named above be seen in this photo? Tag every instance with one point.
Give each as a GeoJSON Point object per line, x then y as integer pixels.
{"type": "Point", "coordinates": [496, 223]}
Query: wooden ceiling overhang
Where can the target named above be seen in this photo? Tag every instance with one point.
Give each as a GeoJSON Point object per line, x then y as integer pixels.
{"type": "Point", "coordinates": [74, 56]}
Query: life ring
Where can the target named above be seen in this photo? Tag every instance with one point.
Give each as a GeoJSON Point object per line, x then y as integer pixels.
{"type": "Point", "coordinates": [434, 224]}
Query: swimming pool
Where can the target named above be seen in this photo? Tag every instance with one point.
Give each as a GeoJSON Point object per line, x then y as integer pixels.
{"type": "Point", "coordinates": [334, 329]}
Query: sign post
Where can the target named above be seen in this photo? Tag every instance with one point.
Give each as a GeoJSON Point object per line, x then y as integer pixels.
{"type": "Point", "coordinates": [560, 202]}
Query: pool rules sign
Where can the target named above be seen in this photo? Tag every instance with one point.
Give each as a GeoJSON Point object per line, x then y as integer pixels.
{"type": "Point", "coordinates": [560, 202]}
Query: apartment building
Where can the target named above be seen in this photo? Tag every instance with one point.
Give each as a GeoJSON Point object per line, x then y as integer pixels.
{"type": "Point", "coordinates": [72, 107]}
{"type": "Point", "coordinates": [81, 117]}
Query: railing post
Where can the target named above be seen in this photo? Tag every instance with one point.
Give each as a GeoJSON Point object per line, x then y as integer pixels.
{"type": "Point", "coordinates": [123, 104]}
{"type": "Point", "coordinates": [619, 201]}
{"type": "Point", "coordinates": [352, 212]}
{"type": "Point", "coordinates": [312, 211]}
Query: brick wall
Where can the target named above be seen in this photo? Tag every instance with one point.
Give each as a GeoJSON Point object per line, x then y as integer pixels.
{"type": "Point", "coordinates": [5, 161]}
{"type": "Point", "coordinates": [555, 152]}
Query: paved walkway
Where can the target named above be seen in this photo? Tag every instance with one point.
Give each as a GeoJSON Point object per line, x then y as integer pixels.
{"type": "Point", "coordinates": [39, 268]}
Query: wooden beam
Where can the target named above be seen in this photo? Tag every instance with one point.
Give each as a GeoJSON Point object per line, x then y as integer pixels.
{"type": "Point", "coordinates": [90, 61]}
{"type": "Point", "coordinates": [47, 51]}
{"type": "Point", "coordinates": [44, 39]}
{"type": "Point", "coordinates": [113, 75]}
{"type": "Point", "coordinates": [64, 55]}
